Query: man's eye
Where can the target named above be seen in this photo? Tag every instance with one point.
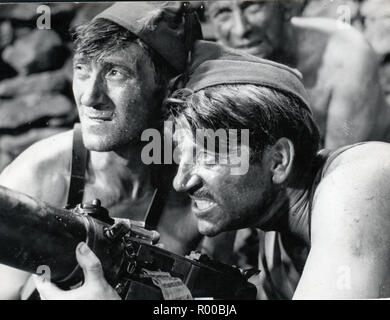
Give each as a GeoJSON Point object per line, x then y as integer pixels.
{"type": "Point", "coordinates": [116, 74]}
{"type": "Point", "coordinates": [222, 14]}
{"type": "Point", "coordinates": [254, 7]}
{"type": "Point", "coordinates": [207, 157]}
{"type": "Point", "coordinates": [81, 70]}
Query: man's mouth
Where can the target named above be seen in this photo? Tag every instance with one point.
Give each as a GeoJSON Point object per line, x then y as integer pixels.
{"type": "Point", "coordinates": [99, 115]}
{"type": "Point", "coordinates": [202, 206]}
{"type": "Point", "coordinates": [248, 45]}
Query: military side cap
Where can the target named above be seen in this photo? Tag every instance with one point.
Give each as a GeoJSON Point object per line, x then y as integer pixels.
{"type": "Point", "coordinates": [170, 28]}
{"type": "Point", "coordinates": [214, 64]}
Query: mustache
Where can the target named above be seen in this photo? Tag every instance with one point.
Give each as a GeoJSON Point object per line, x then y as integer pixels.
{"type": "Point", "coordinates": [202, 194]}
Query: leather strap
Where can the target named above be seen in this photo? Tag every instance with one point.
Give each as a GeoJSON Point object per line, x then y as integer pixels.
{"type": "Point", "coordinates": [162, 178]}
{"type": "Point", "coordinates": [155, 209]}
{"type": "Point", "coordinates": [75, 194]}
{"type": "Point", "coordinates": [78, 167]}
{"type": "Point", "coordinates": [172, 288]}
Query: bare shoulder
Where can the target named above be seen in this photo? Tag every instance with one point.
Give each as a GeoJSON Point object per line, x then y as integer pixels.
{"type": "Point", "coordinates": [42, 169]}
{"type": "Point", "coordinates": [349, 256]}
{"type": "Point", "coordinates": [370, 157]}
{"type": "Point", "coordinates": [345, 45]}
{"type": "Point", "coordinates": [334, 29]}
{"type": "Point", "coordinates": [353, 197]}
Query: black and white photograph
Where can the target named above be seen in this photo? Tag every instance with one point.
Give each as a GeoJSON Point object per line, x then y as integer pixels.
{"type": "Point", "coordinates": [195, 150]}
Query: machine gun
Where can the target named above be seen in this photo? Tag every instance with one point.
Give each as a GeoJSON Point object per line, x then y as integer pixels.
{"type": "Point", "coordinates": [35, 234]}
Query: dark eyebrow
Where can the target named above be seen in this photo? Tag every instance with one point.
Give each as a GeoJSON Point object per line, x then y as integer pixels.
{"type": "Point", "coordinates": [105, 63]}
{"type": "Point", "coordinates": [245, 4]}
{"type": "Point", "coordinates": [108, 64]}
{"type": "Point", "coordinates": [117, 61]}
{"type": "Point", "coordinates": [217, 7]}
{"type": "Point", "coordinates": [80, 59]}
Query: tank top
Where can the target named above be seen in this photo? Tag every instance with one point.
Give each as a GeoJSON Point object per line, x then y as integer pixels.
{"type": "Point", "coordinates": [76, 192]}
{"type": "Point", "coordinates": [277, 258]}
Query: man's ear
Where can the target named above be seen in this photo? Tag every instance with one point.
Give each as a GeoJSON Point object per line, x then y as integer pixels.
{"type": "Point", "coordinates": [282, 155]}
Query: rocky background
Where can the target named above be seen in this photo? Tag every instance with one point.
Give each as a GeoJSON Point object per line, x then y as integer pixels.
{"type": "Point", "coordinates": [35, 65]}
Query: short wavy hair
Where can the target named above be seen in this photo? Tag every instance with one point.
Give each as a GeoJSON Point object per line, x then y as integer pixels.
{"type": "Point", "coordinates": [269, 115]}
{"type": "Point", "coordinates": [102, 37]}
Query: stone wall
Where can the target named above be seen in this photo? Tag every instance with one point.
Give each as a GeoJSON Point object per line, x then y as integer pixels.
{"type": "Point", "coordinates": [36, 98]}
{"type": "Point", "coordinates": [35, 65]}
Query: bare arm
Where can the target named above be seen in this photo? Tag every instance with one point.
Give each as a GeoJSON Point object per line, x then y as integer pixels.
{"type": "Point", "coordinates": [27, 174]}
{"type": "Point", "coordinates": [350, 255]}
{"type": "Point", "coordinates": [356, 103]}
{"type": "Point", "coordinates": [12, 280]}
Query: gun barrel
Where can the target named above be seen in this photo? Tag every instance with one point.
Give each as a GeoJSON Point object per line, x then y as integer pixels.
{"type": "Point", "coordinates": [33, 233]}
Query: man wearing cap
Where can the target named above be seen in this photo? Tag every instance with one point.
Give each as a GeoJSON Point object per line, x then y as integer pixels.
{"type": "Point", "coordinates": [340, 69]}
{"type": "Point", "coordinates": [326, 213]}
{"type": "Point", "coordinates": [123, 61]}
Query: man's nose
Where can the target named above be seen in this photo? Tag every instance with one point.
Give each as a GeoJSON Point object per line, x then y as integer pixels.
{"type": "Point", "coordinates": [185, 179]}
{"type": "Point", "coordinates": [240, 27]}
{"type": "Point", "coordinates": [93, 93]}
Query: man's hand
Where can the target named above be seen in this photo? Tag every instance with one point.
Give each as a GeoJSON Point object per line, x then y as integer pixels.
{"type": "Point", "coordinates": [95, 287]}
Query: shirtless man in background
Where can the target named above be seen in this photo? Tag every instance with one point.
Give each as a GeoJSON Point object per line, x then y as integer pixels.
{"type": "Point", "coordinates": [339, 68]}
{"type": "Point", "coordinates": [326, 212]}
{"type": "Point", "coordinates": [330, 207]}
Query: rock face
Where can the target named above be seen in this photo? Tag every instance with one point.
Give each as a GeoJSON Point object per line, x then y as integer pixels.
{"type": "Point", "coordinates": [45, 82]}
{"type": "Point", "coordinates": [6, 71]}
{"type": "Point", "coordinates": [28, 12]}
{"type": "Point", "coordinates": [35, 66]}
{"type": "Point", "coordinates": [6, 34]}
{"type": "Point", "coordinates": [23, 12]}
{"type": "Point", "coordinates": [40, 50]}
{"type": "Point", "coordinates": [32, 108]}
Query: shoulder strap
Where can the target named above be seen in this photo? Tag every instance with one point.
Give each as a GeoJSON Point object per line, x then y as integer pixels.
{"type": "Point", "coordinates": [162, 180]}
{"type": "Point", "coordinates": [78, 167]}
{"type": "Point", "coordinates": [75, 195]}
{"type": "Point", "coordinates": [155, 209]}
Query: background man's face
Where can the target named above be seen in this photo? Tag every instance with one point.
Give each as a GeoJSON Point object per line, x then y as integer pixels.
{"type": "Point", "coordinates": [255, 27]}
{"type": "Point", "coordinates": [221, 201]}
{"type": "Point", "coordinates": [114, 97]}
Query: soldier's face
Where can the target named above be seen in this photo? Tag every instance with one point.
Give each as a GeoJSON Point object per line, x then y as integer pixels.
{"type": "Point", "coordinates": [255, 27]}
{"type": "Point", "coordinates": [114, 97]}
{"type": "Point", "coordinates": [222, 201]}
